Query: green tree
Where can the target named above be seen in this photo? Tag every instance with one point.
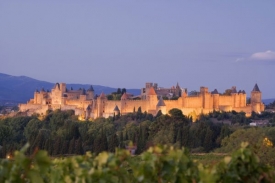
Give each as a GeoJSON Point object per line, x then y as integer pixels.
{"type": "Point", "coordinates": [123, 91]}
{"type": "Point", "coordinates": [113, 143]}
{"type": "Point", "coordinates": [118, 91]}
{"type": "Point", "coordinates": [208, 142]}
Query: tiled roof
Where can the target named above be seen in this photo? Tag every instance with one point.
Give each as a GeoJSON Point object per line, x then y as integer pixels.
{"type": "Point", "coordinates": [57, 85]}
{"type": "Point", "coordinates": [152, 91]}
{"type": "Point", "coordinates": [116, 108]}
{"type": "Point", "coordinates": [215, 92]}
{"type": "Point", "coordinates": [102, 95]}
{"type": "Point", "coordinates": [83, 92]}
{"type": "Point", "coordinates": [124, 96]}
{"type": "Point", "coordinates": [161, 102]}
{"type": "Point", "coordinates": [91, 88]}
{"type": "Point", "coordinates": [256, 88]}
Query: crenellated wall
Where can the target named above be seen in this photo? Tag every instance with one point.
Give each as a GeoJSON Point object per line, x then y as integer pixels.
{"type": "Point", "coordinates": [193, 102]}
{"type": "Point", "coordinates": [225, 100]}
{"type": "Point", "coordinates": [85, 105]}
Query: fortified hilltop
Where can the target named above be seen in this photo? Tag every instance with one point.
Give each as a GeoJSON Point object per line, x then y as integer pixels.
{"type": "Point", "coordinates": [88, 105]}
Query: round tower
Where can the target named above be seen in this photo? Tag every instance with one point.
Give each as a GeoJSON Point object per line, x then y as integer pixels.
{"type": "Point", "coordinates": [256, 99]}
{"type": "Point", "coordinates": [90, 93]}
{"type": "Point", "coordinates": [83, 95]}
{"type": "Point", "coordinates": [216, 97]}
{"type": "Point", "coordinates": [152, 99]}
{"type": "Point", "coordinates": [101, 104]}
{"type": "Point", "coordinates": [184, 98]}
{"type": "Point", "coordinates": [123, 99]}
{"type": "Point", "coordinates": [234, 94]}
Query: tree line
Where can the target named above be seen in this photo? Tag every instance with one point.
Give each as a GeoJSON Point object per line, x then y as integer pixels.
{"type": "Point", "coordinates": [60, 133]}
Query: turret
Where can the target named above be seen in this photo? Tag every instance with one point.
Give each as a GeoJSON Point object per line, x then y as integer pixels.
{"type": "Point", "coordinates": [90, 93]}
{"type": "Point", "coordinates": [36, 94]}
{"type": "Point", "coordinates": [236, 98]}
{"type": "Point", "coordinates": [152, 99]}
{"type": "Point", "coordinates": [161, 106]}
{"type": "Point", "coordinates": [256, 99]}
{"type": "Point", "coordinates": [83, 95]}
{"type": "Point", "coordinates": [116, 110]}
{"type": "Point", "coordinates": [216, 97]}
{"type": "Point", "coordinates": [184, 96]}
{"type": "Point", "coordinates": [205, 97]}
{"type": "Point", "coordinates": [123, 103]}
{"type": "Point", "coordinates": [178, 90]}
{"type": "Point", "coordinates": [101, 104]}
{"type": "Point", "coordinates": [256, 94]}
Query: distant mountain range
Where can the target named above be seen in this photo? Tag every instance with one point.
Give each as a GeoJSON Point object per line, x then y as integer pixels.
{"type": "Point", "coordinates": [17, 89]}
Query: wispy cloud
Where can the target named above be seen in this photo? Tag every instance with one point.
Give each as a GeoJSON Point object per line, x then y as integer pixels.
{"type": "Point", "coordinates": [268, 55]}
{"type": "Point", "coordinates": [240, 59]}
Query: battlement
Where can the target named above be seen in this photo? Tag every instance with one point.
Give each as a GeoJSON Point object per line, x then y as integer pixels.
{"type": "Point", "coordinates": [153, 98]}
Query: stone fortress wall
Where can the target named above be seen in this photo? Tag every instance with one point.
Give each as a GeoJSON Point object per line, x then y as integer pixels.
{"type": "Point", "coordinates": [87, 105]}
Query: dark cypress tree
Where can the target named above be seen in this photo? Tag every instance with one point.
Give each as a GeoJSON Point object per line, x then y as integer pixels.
{"type": "Point", "coordinates": [159, 114]}
{"type": "Point", "coordinates": [48, 146]}
{"type": "Point", "coordinates": [100, 143]}
{"type": "Point", "coordinates": [118, 91]}
{"type": "Point", "coordinates": [139, 110]}
{"type": "Point", "coordinates": [65, 147]}
{"type": "Point", "coordinates": [74, 131]}
{"type": "Point", "coordinates": [134, 138]}
{"type": "Point", "coordinates": [120, 139]}
{"type": "Point", "coordinates": [185, 136]}
{"type": "Point", "coordinates": [126, 135]}
{"type": "Point", "coordinates": [139, 145]}
{"type": "Point", "coordinates": [71, 146]}
{"type": "Point", "coordinates": [208, 143]}
{"type": "Point", "coordinates": [142, 139]}
{"type": "Point", "coordinates": [3, 150]}
{"type": "Point", "coordinates": [179, 138]}
{"type": "Point", "coordinates": [38, 142]}
{"type": "Point", "coordinates": [57, 146]}
{"type": "Point", "coordinates": [104, 141]}
{"type": "Point", "coordinates": [78, 147]}
{"type": "Point", "coordinates": [113, 143]}
{"type": "Point", "coordinates": [123, 91]}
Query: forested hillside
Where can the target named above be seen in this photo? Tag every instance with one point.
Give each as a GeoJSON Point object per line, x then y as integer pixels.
{"type": "Point", "coordinates": [61, 133]}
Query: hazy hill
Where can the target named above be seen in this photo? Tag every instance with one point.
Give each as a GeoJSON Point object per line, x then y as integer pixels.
{"type": "Point", "coordinates": [21, 88]}
{"type": "Point", "coordinates": [268, 101]}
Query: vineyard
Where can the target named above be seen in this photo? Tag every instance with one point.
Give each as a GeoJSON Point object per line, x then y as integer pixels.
{"type": "Point", "coordinates": [157, 164]}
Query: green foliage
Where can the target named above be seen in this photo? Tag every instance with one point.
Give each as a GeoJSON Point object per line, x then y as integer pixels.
{"type": "Point", "coordinates": [60, 133]}
{"type": "Point", "coordinates": [244, 166]}
{"type": "Point", "coordinates": [157, 164]}
{"type": "Point", "coordinates": [255, 137]}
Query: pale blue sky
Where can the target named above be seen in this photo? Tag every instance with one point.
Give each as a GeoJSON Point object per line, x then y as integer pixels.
{"type": "Point", "coordinates": [125, 43]}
